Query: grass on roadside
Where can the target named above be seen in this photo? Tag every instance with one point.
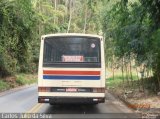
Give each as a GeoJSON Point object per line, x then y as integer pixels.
{"type": "Point", "coordinates": [23, 79]}
{"type": "Point", "coordinates": [120, 85]}
{"type": "Point", "coordinates": [118, 79]}
{"type": "Point", "coordinates": [18, 80]}
{"type": "Point", "coordinates": [3, 85]}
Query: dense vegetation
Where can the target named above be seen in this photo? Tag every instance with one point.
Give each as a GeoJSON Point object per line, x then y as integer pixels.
{"type": "Point", "coordinates": [22, 22]}
{"type": "Point", "coordinates": [131, 29]}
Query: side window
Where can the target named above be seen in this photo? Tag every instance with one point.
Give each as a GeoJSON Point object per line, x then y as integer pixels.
{"type": "Point", "coordinates": [48, 52]}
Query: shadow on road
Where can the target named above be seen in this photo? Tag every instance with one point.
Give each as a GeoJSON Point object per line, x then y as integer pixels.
{"type": "Point", "coordinates": [84, 111]}
{"type": "Point", "coordinates": [72, 109]}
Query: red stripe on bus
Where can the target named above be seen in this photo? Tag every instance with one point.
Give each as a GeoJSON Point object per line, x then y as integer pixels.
{"type": "Point", "coordinates": [72, 72]}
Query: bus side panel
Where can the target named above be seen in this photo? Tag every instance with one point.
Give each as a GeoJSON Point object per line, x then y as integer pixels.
{"type": "Point", "coordinates": [103, 68]}
{"type": "Point", "coordinates": [40, 69]}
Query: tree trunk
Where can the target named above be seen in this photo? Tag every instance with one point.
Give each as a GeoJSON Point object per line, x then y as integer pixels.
{"type": "Point", "coordinates": [130, 69]}
{"type": "Point", "coordinates": [85, 22]}
{"type": "Point", "coordinates": [142, 78]}
{"type": "Point", "coordinates": [40, 25]}
{"type": "Point", "coordinates": [158, 81]}
{"type": "Point", "coordinates": [138, 80]}
{"type": "Point", "coordinates": [70, 16]}
{"type": "Point", "coordinates": [122, 69]}
{"type": "Point", "coordinates": [113, 67]}
{"type": "Point", "coordinates": [127, 73]}
{"type": "Point", "coordinates": [55, 8]}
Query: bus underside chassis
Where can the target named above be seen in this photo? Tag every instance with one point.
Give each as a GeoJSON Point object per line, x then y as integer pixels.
{"type": "Point", "coordinates": [71, 100]}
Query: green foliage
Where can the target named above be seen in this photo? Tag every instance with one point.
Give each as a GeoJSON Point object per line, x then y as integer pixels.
{"type": "Point", "coordinates": [17, 22]}
{"type": "Point", "coordinates": [22, 22]}
{"type": "Point", "coordinates": [132, 29]}
{"type": "Point", "coordinates": [3, 85]}
{"type": "Point", "coordinates": [20, 79]}
{"type": "Point", "coordinates": [118, 81]}
{"type": "Point", "coordinates": [23, 79]}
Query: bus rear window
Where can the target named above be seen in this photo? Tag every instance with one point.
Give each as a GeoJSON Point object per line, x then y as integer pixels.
{"type": "Point", "coordinates": [71, 50]}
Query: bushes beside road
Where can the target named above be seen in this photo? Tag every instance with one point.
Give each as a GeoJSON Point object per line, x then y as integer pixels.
{"type": "Point", "coordinates": [18, 80]}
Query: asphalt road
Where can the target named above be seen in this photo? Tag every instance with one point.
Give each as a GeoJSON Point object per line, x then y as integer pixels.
{"type": "Point", "coordinates": [24, 100]}
{"type": "Point", "coordinates": [18, 100]}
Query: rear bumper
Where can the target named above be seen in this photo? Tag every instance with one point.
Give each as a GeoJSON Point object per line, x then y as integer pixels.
{"type": "Point", "coordinates": [71, 100]}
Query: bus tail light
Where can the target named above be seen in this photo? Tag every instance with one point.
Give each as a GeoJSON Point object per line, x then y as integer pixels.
{"type": "Point", "coordinates": [44, 89]}
{"type": "Point", "coordinates": [43, 100]}
{"type": "Point", "coordinates": [98, 90]}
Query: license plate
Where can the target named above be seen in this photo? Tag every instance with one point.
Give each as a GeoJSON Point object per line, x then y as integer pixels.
{"type": "Point", "coordinates": [71, 89]}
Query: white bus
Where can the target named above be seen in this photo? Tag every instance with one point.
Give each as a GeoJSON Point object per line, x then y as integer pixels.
{"type": "Point", "coordinates": [71, 69]}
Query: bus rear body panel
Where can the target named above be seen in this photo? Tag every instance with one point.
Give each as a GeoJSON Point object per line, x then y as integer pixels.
{"type": "Point", "coordinates": [69, 76]}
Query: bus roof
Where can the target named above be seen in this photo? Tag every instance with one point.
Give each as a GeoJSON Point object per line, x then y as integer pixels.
{"type": "Point", "coordinates": [71, 34]}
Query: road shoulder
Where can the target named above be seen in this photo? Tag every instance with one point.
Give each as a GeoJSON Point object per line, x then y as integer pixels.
{"type": "Point", "coordinates": [16, 89]}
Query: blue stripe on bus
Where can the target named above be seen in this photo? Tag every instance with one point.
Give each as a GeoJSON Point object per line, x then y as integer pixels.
{"type": "Point", "coordinates": [71, 77]}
